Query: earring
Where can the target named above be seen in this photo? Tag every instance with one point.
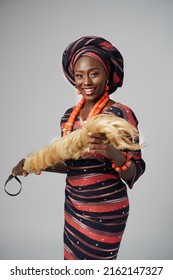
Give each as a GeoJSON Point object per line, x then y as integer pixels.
{"type": "Point", "coordinates": [107, 86]}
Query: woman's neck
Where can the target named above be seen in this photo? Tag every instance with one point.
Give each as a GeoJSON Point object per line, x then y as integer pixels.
{"type": "Point", "coordinates": [96, 109]}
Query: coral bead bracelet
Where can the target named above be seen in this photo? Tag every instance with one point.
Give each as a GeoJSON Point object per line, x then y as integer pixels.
{"type": "Point", "coordinates": [125, 166]}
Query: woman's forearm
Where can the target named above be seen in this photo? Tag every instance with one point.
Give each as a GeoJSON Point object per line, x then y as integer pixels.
{"type": "Point", "coordinates": [120, 159]}
{"type": "Point", "coordinates": [57, 168]}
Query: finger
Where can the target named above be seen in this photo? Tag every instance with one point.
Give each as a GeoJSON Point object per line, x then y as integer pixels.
{"type": "Point", "coordinates": [95, 149]}
{"type": "Point", "coordinates": [17, 171]}
{"type": "Point", "coordinates": [94, 140]}
{"type": "Point", "coordinates": [24, 173]}
{"type": "Point", "coordinates": [96, 152]}
{"type": "Point", "coordinates": [97, 135]}
{"type": "Point", "coordinates": [13, 172]}
{"type": "Point", "coordinates": [38, 172]}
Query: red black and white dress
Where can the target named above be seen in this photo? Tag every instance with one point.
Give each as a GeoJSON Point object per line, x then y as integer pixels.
{"type": "Point", "coordinates": [96, 201]}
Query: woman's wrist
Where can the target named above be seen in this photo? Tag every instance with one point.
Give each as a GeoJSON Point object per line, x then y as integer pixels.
{"type": "Point", "coordinates": [121, 163]}
{"type": "Point", "coordinates": [118, 157]}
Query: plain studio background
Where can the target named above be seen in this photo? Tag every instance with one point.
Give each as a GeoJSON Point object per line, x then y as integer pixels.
{"type": "Point", "coordinates": [35, 94]}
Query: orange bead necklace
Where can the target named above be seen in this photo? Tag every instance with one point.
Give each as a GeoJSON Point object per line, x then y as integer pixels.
{"type": "Point", "coordinates": [98, 107]}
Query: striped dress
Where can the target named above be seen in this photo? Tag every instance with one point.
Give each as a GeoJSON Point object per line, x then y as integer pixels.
{"type": "Point", "coordinates": [96, 201]}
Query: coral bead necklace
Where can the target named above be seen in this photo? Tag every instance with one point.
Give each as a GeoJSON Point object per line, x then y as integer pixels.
{"type": "Point", "coordinates": [98, 107]}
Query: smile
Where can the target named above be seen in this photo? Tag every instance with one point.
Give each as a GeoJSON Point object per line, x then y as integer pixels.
{"type": "Point", "coordinates": [89, 91]}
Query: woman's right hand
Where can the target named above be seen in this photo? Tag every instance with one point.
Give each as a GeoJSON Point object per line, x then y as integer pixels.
{"type": "Point", "coordinates": [18, 169]}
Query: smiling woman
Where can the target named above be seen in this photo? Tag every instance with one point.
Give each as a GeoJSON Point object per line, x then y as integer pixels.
{"type": "Point", "coordinates": [96, 199]}
{"type": "Point", "coordinates": [90, 77]}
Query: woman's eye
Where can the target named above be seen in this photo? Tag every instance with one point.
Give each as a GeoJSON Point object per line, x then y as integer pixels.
{"type": "Point", "coordinates": [78, 76]}
{"type": "Point", "coordinates": [94, 74]}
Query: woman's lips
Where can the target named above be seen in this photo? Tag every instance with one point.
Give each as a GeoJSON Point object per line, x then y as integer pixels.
{"type": "Point", "coordinates": [89, 91]}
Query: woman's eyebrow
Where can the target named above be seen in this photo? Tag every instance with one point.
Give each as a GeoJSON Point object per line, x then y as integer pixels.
{"type": "Point", "coordinates": [91, 69]}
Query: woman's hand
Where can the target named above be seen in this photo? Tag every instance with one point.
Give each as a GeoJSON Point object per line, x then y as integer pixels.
{"type": "Point", "coordinates": [98, 145]}
{"type": "Point", "coordinates": [18, 169]}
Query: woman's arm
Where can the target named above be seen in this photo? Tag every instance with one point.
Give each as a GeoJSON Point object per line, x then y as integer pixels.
{"type": "Point", "coordinates": [118, 157]}
{"type": "Point", "coordinates": [97, 146]}
{"type": "Point", "coordinates": [133, 172]}
{"type": "Point", "coordinates": [58, 168]}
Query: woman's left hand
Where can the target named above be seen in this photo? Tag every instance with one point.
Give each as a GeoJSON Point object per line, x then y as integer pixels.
{"type": "Point", "coordinates": [98, 146]}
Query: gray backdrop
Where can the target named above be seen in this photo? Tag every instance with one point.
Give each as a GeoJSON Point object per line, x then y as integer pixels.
{"type": "Point", "coordinates": [35, 94]}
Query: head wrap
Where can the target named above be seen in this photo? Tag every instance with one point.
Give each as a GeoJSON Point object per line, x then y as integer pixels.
{"type": "Point", "coordinates": [100, 49]}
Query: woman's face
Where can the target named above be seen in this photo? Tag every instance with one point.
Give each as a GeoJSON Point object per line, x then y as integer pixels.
{"type": "Point", "coordinates": [90, 77]}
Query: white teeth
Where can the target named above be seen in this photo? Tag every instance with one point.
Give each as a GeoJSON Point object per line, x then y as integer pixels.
{"type": "Point", "coordinates": [89, 91]}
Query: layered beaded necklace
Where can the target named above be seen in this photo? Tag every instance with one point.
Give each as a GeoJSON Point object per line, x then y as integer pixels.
{"type": "Point", "coordinates": [98, 107]}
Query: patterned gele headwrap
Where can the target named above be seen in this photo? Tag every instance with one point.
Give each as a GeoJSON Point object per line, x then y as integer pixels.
{"type": "Point", "coordinates": [100, 49]}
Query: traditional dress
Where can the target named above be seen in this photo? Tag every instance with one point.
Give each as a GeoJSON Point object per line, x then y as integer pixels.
{"type": "Point", "coordinates": [96, 201]}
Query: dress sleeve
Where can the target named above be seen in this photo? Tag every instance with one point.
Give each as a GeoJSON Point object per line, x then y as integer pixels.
{"type": "Point", "coordinates": [126, 113]}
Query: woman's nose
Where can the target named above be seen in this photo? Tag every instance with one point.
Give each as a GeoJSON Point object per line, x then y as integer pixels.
{"type": "Point", "coordinates": [87, 80]}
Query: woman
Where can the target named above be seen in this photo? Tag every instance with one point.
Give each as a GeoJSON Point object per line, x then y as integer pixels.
{"type": "Point", "coordinates": [96, 201]}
